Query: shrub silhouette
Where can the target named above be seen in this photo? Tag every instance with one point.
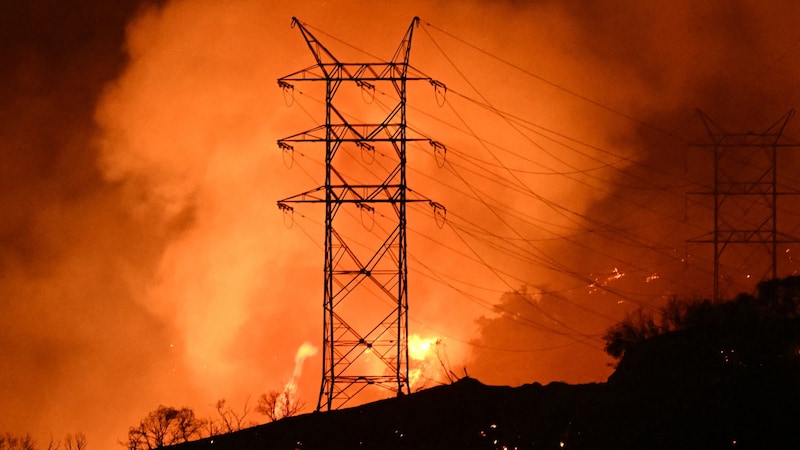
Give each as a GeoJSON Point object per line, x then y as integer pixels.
{"type": "Point", "coordinates": [777, 300]}
{"type": "Point", "coordinates": [164, 426]}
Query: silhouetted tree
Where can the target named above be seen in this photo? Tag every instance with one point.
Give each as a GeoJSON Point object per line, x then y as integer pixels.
{"type": "Point", "coordinates": [776, 300]}
{"type": "Point", "coordinates": [75, 441]}
{"type": "Point", "coordinates": [164, 426]}
{"type": "Point", "coordinates": [277, 405]}
{"type": "Point", "coordinates": [228, 420]}
{"type": "Point", "coordinates": [783, 295]}
{"type": "Point", "coordinates": [444, 362]}
{"type": "Point", "coordinates": [439, 372]}
{"type": "Point", "coordinates": [9, 441]}
{"type": "Point", "coordinates": [674, 314]}
{"type": "Point", "coordinates": [633, 329]}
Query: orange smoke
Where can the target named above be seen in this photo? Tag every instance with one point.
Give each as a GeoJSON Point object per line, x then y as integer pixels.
{"type": "Point", "coordinates": [304, 352]}
{"type": "Point", "coordinates": [190, 131]}
{"type": "Point", "coordinates": [155, 269]}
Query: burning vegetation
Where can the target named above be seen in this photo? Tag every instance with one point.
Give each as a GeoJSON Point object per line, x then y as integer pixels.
{"type": "Point", "coordinates": [143, 262]}
{"type": "Point", "coordinates": [711, 376]}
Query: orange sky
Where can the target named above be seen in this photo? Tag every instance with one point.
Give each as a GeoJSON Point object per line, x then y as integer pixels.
{"type": "Point", "coordinates": [144, 261]}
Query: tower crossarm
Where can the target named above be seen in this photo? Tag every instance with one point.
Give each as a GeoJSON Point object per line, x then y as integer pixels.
{"type": "Point", "coordinates": [348, 133]}
{"type": "Point", "coordinates": [360, 193]}
{"type": "Point", "coordinates": [354, 72]}
{"type": "Point", "coordinates": [330, 69]}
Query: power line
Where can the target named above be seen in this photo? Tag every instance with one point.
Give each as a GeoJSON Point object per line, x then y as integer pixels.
{"type": "Point", "coordinates": [548, 82]}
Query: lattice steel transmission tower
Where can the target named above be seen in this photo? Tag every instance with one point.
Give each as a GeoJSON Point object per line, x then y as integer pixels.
{"type": "Point", "coordinates": [365, 298]}
{"type": "Point", "coordinates": [746, 195]}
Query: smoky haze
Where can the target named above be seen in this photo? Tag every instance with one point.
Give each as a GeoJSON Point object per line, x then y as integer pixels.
{"type": "Point", "coordinates": [144, 262]}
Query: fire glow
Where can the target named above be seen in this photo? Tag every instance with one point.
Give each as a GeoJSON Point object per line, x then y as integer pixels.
{"type": "Point", "coordinates": [305, 351]}
{"type": "Point", "coordinates": [140, 190]}
{"type": "Point", "coordinates": [424, 359]}
{"type": "Point", "coordinates": [420, 349]}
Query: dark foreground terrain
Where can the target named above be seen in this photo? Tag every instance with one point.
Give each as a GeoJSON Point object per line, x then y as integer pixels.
{"type": "Point", "coordinates": [709, 389]}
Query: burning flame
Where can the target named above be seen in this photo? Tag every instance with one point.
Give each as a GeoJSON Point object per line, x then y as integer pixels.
{"type": "Point", "coordinates": [424, 357]}
{"type": "Point", "coordinates": [419, 348]}
{"type": "Point", "coordinates": [598, 282]}
{"type": "Point", "coordinates": [305, 351]}
{"type": "Point", "coordinates": [285, 402]}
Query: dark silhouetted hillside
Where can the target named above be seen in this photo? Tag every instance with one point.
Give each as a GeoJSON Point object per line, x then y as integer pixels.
{"type": "Point", "coordinates": [659, 402]}
{"type": "Point", "coordinates": [722, 384]}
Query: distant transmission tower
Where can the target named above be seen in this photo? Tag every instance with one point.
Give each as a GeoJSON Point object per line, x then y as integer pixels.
{"type": "Point", "coordinates": [746, 195]}
{"type": "Point", "coordinates": [365, 298]}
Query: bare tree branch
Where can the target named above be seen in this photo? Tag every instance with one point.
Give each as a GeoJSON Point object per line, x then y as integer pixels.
{"type": "Point", "coordinates": [277, 405]}
{"type": "Point", "coordinates": [162, 427]}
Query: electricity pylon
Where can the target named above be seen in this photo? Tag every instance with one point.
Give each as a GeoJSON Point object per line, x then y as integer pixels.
{"type": "Point", "coordinates": [365, 298]}
{"type": "Point", "coordinates": [745, 195]}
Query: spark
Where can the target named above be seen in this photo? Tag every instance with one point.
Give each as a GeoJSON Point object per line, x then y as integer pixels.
{"type": "Point", "coordinates": [597, 283]}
